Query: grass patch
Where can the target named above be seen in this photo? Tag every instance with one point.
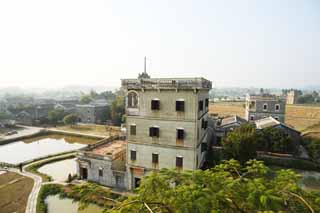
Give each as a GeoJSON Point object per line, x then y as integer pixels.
{"type": "Point", "coordinates": [45, 178]}
{"type": "Point", "coordinates": [14, 197]}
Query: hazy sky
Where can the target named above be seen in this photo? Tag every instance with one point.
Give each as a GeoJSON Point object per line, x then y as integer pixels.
{"type": "Point", "coordinates": [270, 43]}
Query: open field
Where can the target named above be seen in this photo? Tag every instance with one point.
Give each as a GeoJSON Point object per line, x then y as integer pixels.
{"type": "Point", "coordinates": [92, 129]}
{"type": "Point", "coordinates": [302, 117]}
{"type": "Point", "coordinates": [14, 192]}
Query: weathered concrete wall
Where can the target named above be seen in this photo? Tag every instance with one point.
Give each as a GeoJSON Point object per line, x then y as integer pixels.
{"type": "Point", "coordinates": [109, 176]}
{"type": "Point", "coordinates": [167, 131]}
{"type": "Point", "coordinates": [258, 112]}
{"type": "Point", "coordinates": [167, 156]}
{"type": "Point", "coordinates": [168, 104]}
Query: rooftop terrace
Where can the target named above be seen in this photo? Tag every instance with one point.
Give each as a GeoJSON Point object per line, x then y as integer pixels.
{"type": "Point", "coordinates": [114, 149]}
{"type": "Point", "coordinates": [264, 97]}
{"type": "Point", "coordinates": [166, 83]}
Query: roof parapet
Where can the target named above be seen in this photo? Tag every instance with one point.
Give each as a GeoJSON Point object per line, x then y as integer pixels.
{"type": "Point", "coordinates": [166, 83]}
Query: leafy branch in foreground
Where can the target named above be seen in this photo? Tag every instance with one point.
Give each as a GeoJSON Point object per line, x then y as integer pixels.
{"type": "Point", "coordinates": [228, 187]}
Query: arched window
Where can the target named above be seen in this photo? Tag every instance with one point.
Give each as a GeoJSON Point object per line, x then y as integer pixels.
{"type": "Point", "coordinates": [132, 100]}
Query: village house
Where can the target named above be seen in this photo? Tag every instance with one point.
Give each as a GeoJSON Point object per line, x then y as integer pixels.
{"type": "Point", "coordinates": [104, 163]}
{"type": "Point", "coordinates": [92, 112]}
{"type": "Point", "coordinates": [166, 123]}
{"type": "Point", "coordinates": [265, 105]}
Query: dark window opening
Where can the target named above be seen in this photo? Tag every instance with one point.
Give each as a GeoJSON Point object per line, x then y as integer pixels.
{"type": "Point", "coordinates": [133, 130]}
{"type": "Point", "coordinates": [154, 132]}
{"type": "Point", "coordinates": [277, 107]}
{"type": "Point", "coordinates": [155, 158]}
{"type": "Point", "coordinates": [203, 124]}
{"type": "Point", "coordinates": [100, 172]}
{"type": "Point", "coordinates": [265, 106]}
{"type": "Point", "coordinates": [207, 102]}
{"type": "Point", "coordinates": [204, 147]}
{"type": "Point", "coordinates": [200, 105]}
{"type": "Point", "coordinates": [155, 104]}
{"type": "Point", "coordinates": [179, 162]}
{"type": "Point", "coordinates": [180, 134]}
{"type": "Point", "coordinates": [180, 106]}
{"type": "Point", "coordinates": [133, 155]}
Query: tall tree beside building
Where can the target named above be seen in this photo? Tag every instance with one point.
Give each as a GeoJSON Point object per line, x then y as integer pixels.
{"type": "Point", "coordinates": [241, 144]}
{"type": "Point", "coordinates": [85, 99]}
{"type": "Point", "coordinates": [56, 115]}
{"type": "Point", "coordinates": [118, 110]}
{"type": "Point", "coordinates": [71, 119]}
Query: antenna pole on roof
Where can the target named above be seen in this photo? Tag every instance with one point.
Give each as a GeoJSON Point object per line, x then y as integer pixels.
{"type": "Point", "coordinates": [145, 64]}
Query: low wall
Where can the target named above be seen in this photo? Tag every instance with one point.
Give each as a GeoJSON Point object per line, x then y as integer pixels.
{"type": "Point", "coordinates": [45, 132]}
{"type": "Point", "coordinates": [290, 162]}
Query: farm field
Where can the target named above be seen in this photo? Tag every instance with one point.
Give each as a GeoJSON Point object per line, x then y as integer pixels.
{"type": "Point", "coordinates": [304, 118]}
{"type": "Point", "coordinates": [14, 191]}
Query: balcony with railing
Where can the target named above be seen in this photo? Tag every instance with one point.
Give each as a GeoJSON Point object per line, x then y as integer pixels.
{"type": "Point", "coordinates": [166, 83]}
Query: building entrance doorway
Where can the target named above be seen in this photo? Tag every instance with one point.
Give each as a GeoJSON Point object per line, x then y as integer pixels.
{"type": "Point", "coordinates": [84, 173]}
{"type": "Point", "coordinates": [137, 182]}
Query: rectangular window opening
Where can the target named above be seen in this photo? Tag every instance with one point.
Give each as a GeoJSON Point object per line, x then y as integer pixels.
{"type": "Point", "coordinates": [155, 158]}
{"type": "Point", "coordinates": [133, 129]}
{"type": "Point", "coordinates": [154, 132]}
{"type": "Point", "coordinates": [155, 104]}
{"type": "Point", "coordinates": [179, 162]}
{"type": "Point", "coordinates": [180, 106]}
{"type": "Point", "coordinates": [133, 155]}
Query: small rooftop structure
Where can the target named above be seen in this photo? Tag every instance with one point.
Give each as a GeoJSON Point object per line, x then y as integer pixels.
{"type": "Point", "coordinates": [272, 122]}
{"type": "Point", "coordinates": [112, 149]}
{"type": "Point", "coordinates": [231, 121]}
{"type": "Point", "coordinates": [166, 83]}
{"type": "Point", "coordinates": [266, 122]}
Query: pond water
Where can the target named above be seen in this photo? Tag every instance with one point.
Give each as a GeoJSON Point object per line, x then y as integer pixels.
{"type": "Point", "coordinates": [18, 152]}
{"type": "Point", "coordinates": [310, 180]}
{"type": "Point", "coordinates": [60, 170]}
{"type": "Point", "coordinates": [66, 205]}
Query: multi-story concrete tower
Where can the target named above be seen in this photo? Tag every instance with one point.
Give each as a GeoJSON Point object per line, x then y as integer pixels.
{"type": "Point", "coordinates": [265, 105]}
{"type": "Point", "coordinates": [166, 122]}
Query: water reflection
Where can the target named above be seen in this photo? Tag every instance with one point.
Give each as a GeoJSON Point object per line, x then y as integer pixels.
{"type": "Point", "coordinates": [65, 205]}
{"type": "Point", "coordinates": [60, 170]}
{"type": "Point", "coordinates": [18, 152]}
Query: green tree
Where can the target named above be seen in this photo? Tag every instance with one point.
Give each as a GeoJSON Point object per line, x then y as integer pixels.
{"type": "Point", "coordinates": [313, 147]}
{"type": "Point", "coordinates": [70, 119]}
{"type": "Point", "coordinates": [85, 99]}
{"type": "Point", "coordinates": [276, 140]}
{"type": "Point", "coordinates": [4, 115]}
{"type": "Point", "coordinates": [117, 110]}
{"type": "Point", "coordinates": [56, 115]}
{"type": "Point", "coordinates": [241, 144]}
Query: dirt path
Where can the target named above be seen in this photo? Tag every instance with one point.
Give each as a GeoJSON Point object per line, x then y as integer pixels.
{"type": "Point", "coordinates": [33, 196]}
